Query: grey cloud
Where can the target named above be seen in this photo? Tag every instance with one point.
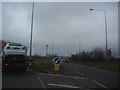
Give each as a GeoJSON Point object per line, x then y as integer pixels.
{"type": "Point", "coordinates": [61, 21]}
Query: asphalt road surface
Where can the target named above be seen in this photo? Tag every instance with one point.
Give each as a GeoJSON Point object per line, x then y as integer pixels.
{"type": "Point", "coordinates": [34, 79]}
{"type": "Point", "coordinates": [104, 78]}
{"type": "Point", "coordinates": [82, 78]}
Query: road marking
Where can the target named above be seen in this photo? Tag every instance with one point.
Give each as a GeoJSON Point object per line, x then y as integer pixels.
{"type": "Point", "coordinates": [51, 84]}
{"type": "Point", "coordinates": [92, 80]}
{"type": "Point", "coordinates": [79, 72]}
{"type": "Point", "coordinates": [64, 76]}
{"type": "Point", "coordinates": [41, 82]}
{"type": "Point", "coordinates": [98, 83]}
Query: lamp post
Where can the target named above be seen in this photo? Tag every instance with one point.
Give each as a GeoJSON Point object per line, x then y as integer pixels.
{"type": "Point", "coordinates": [46, 50]}
{"type": "Point", "coordinates": [78, 43]}
{"type": "Point", "coordinates": [52, 46]}
{"type": "Point", "coordinates": [52, 43]}
{"type": "Point", "coordinates": [105, 24]}
{"type": "Point", "coordinates": [31, 31]}
{"type": "Point", "coordinates": [68, 52]}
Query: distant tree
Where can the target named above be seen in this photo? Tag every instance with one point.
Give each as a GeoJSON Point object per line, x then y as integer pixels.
{"type": "Point", "coordinates": [74, 57]}
{"type": "Point", "coordinates": [98, 54]}
{"type": "Point", "coordinates": [85, 56]}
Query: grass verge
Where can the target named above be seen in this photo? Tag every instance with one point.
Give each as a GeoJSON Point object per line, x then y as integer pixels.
{"type": "Point", "coordinates": [47, 66]}
{"type": "Point", "coordinates": [101, 65]}
{"type": "Point", "coordinates": [43, 65]}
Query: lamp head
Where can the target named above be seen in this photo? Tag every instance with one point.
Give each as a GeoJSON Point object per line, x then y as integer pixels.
{"type": "Point", "coordinates": [90, 9]}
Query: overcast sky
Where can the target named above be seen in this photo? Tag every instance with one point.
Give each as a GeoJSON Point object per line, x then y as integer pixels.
{"type": "Point", "coordinates": [61, 22]}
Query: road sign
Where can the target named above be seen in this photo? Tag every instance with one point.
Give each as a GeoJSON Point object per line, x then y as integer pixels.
{"type": "Point", "coordinates": [56, 60]}
{"type": "Point", "coordinates": [109, 52]}
{"type": "Point", "coordinates": [56, 68]}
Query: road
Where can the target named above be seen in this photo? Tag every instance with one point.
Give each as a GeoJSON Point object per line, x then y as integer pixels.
{"type": "Point", "coordinates": [34, 79]}
{"type": "Point", "coordinates": [81, 78]}
{"type": "Point", "coordinates": [105, 78]}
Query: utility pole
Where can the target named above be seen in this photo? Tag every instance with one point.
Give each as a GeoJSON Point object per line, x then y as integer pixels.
{"type": "Point", "coordinates": [78, 46]}
{"type": "Point", "coordinates": [46, 50]}
{"type": "Point", "coordinates": [105, 25]}
{"type": "Point", "coordinates": [78, 43]}
{"type": "Point", "coordinates": [31, 31]}
{"type": "Point", "coordinates": [52, 46]}
{"type": "Point", "coordinates": [68, 52]}
{"type": "Point", "coordinates": [52, 43]}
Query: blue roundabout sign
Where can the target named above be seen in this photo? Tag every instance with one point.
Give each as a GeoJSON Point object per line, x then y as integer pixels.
{"type": "Point", "coordinates": [56, 60]}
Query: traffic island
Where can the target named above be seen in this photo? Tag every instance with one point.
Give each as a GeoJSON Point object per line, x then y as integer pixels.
{"type": "Point", "coordinates": [47, 66]}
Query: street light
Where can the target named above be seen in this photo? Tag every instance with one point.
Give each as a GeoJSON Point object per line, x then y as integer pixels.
{"type": "Point", "coordinates": [78, 42]}
{"type": "Point", "coordinates": [52, 43]}
{"type": "Point", "coordinates": [46, 50]}
{"type": "Point", "coordinates": [31, 30]}
{"type": "Point", "coordinates": [105, 24]}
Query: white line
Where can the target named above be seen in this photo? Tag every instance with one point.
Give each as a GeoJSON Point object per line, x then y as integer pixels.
{"type": "Point", "coordinates": [98, 83]}
{"type": "Point", "coordinates": [41, 82]}
{"type": "Point", "coordinates": [78, 72]}
{"type": "Point", "coordinates": [63, 76]}
{"type": "Point", "coordinates": [92, 80]}
{"type": "Point", "coordinates": [62, 85]}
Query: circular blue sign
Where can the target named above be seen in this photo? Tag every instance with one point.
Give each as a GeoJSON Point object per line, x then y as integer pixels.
{"type": "Point", "coordinates": [57, 60]}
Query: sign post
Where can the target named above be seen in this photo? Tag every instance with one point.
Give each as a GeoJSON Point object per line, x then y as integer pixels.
{"type": "Point", "coordinates": [56, 62]}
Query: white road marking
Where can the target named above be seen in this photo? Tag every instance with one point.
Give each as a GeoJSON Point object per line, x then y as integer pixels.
{"type": "Point", "coordinates": [63, 76]}
{"type": "Point", "coordinates": [41, 82]}
{"type": "Point", "coordinates": [51, 84]}
{"type": "Point", "coordinates": [98, 83]}
{"type": "Point", "coordinates": [92, 80]}
{"type": "Point", "coordinates": [79, 72]}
